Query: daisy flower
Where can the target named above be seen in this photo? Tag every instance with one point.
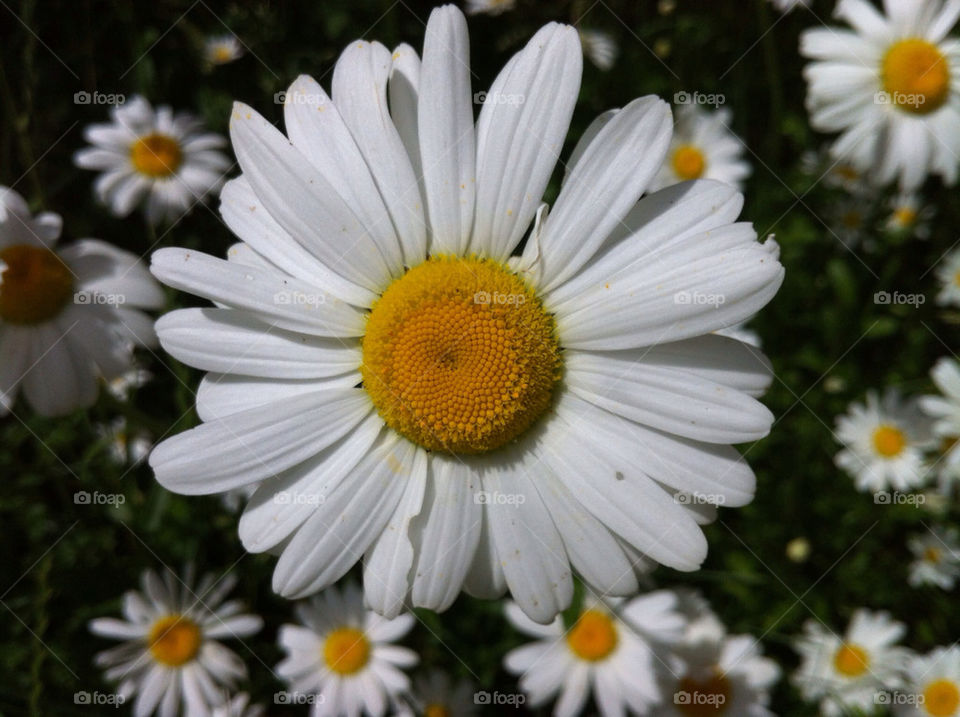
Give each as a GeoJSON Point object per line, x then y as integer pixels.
{"type": "Point", "coordinates": [834, 174]}
{"type": "Point", "coordinates": [848, 673]}
{"type": "Point", "coordinates": [343, 653]}
{"type": "Point", "coordinates": [933, 685]}
{"type": "Point", "coordinates": [436, 694]}
{"type": "Point", "coordinates": [167, 162]}
{"type": "Point", "coordinates": [884, 441]}
{"type": "Point", "coordinates": [786, 6]}
{"type": "Point", "coordinates": [68, 315]}
{"type": "Point", "coordinates": [439, 404]}
{"type": "Point", "coordinates": [849, 220]}
{"type": "Point", "coordinates": [171, 652]}
{"type": "Point", "coordinates": [611, 652]}
{"type": "Point", "coordinates": [121, 386]}
{"type": "Point", "coordinates": [948, 274]}
{"type": "Point", "coordinates": [222, 49]}
{"type": "Point", "coordinates": [489, 7]}
{"type": "Point", "coordinates": [891, 87]}
{"type": "Point", "coordinates": [944, 410]}
{"type": "Point", "coordinates": [909, 216]}
{"type": "Point", "coordinates": [600, 48]}
{"type": "Point", "coordinates": [703, 147]}
{"type": "Point", "coordinates": [125, 448]}
{"type": "Point", "coordinates": [937, 558]}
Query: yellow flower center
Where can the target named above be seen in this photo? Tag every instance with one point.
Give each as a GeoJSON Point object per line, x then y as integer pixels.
{"type": "Point", "coordinates": [688, 162]}
{"type": "Point", "coordinates": [437, 710]}
{"type": "Point", "coordinates": [156, 155]}
{"type": "Point", "coordinates": [704, 697]}
{"type": "Point", "coordinates": [593, 637]}
{"type": "Point", "coordinates": [222, 53]}
{"type": "Point", "coordinates": [941, 698]}
{"type": "Point", "coordinates": [905, 216]}
{"type": "Point", "coordinates": [35, 286]}
{"type": "Point", "coordinates": [916, 75]}
{"type": "Point", "coordinates": [846, 172]}
{"type": "Point", "coordinates": [851, 660]}
{"type": "Point", "coordinates": [346, 650]}
{"type": "Point", "coordinates": [931, 555]}
{"type": "Point", "coordinates": [459, 355]}
{"type": "Point", "coordinates": [174, 640]}
{"type": "Point", "coordinates": [889, 441]}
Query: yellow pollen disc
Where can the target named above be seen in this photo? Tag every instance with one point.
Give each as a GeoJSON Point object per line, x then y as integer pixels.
{"type": "Point", "coordinates": [845, 171]}
{"type": "Point", "coordinates": [437, 710]}
{"type": "Point", "coordinates": [707, 697]}
{"type": "Point", "coordinates": [222, 54]}
{"type": "Point", "coordinates": [346, 650]}
{"type": "Point", "coordinates": [593, 637]}
{"type": "Point", "coordinates": [459, 355]}
{"type": "Point", "coordinates": [851, 660]}
{"type": "Point", "coordinates": [931, 555]}
{"type": "Point", "coordinates": [941, 698]}
{"type": "Point", "coordinates": [35, 286]}
{"type": "Point", "coordinates": [156, 155]}
{"type": "Point", "coordinates": [888, 441]}
{"type": "Point", "coordinates": [916, 75]}
{"type": "Point", "coordinates": [688, 162]}
{"type": "Point", "coordinates": [905, 216]}
{"type": "Point", "coordinates": [174, 640]}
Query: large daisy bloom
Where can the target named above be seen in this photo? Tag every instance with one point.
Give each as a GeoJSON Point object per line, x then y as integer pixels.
{"type": "Point", "coordinates": [890, 86]}
{"type": "Point", "coordinates": [69, 316]}
{"type": "Point", "coordinates": [408, 392]}
{"type": "Point", "coordinates": [936, 558]}
{"type": "Point", "coordinates": [848, 673]}
{"type": "Point", "coordinates": [343, 654]}
{"type": "Point", "coordinates": [933, 685]}
{"type": "Point", "coordinates": [703, 147]}
{"type": "Point", "coordinates": [171, 653]}
{"type": "Point", "coordinates": [948, 275]}
{"type": "Point", "coordinates": [615, 651]}
{"type": "Point", "coordinates": [884, 441]}
{"type": "Point", "coordinates": [167, 162]}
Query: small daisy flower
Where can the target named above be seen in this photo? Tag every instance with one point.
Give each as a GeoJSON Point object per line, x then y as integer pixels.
{"type": "Point", "coordinates": [239, 706]}
{"type": "Point", "coordinates": [786, 6]}
{"type": "Point", "coordinates": [891, 87]}
{"type": "Point", "coordinates": [849, 220]}
{"type": "Point", "coordinates": [937, 558]}
{"type": "Point", "coordinates": [909, 216]}
{"type": "Point", "coordinates": [121, 386]}
{"type": "Point", "coordinates": [833, 173]}
{"type": "Point", "coordinates": [489, 7]}
{"type": "Point", "coordinates": [884, 441]}
{"type": "Point", "coordinates": [703, 147]}
{"type": "Point", "coordinates": [222, 49]}
{"type": "Point", "coordinates": [847, 673]}
{"type": "Point", "coordinates": [125, 448]}
{"type": "Point", "coordinates": [600, 48]}
{"type": "Point", "coordinates": [344, 653]}
{"type": "Point", "coordinates": [171, 652]}
{"type": "Point", "coordinates": [436, 694]}
{"type": "Point", "coordinates": [611, 652]}
{"type": "Point", "coordinates": [948, 274]}
{"type": "Point", "coordinates": [933, 685]}
{"type": "Point", "coordinates": [167, 162]}
{"type": "Point", "coordinates": [69, 316]}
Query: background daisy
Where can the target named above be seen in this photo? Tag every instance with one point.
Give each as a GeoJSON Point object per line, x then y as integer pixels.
{"type": "Point", "coordinates": [933, 685]}
{"type": "Point", "coordinates": [222, 49]}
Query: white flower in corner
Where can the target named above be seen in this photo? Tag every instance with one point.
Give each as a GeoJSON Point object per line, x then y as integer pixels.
{"type": "Point", "coordinates": [936, 558]}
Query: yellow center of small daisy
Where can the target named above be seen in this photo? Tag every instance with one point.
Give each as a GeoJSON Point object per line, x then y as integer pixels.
{"type": "Point", "coordinates": [459, 355]}
{"type": "Point", "coordinates": [916, 75]}
{"type": "Point", "coordinates": [174, 640]}
{"type": "Point", "coordinates": [706, 697]}
{"type": "Point", "coordinates": [35, 286]}
{"type": "Point", "coordinates": [222, 53]}
{"type": "Point", "coordinates": [941, 698]}
{"type": "Point", "coordinates": [688, 162]}
{"type": "Point", "coordinates": [156, 155]}
{"type": "Point", "coordinates": [888, 441]}
{"type": "Point", "coordinates": [437, 710]}
{"type": "Point", "coordinates": [905, 216]}
{"type": "Point", "coordinates": [593, 636]}
{"type": "Point", "coordinates": [847, 172]}
{"type": "Point", "coordinates": [346, 650]}
{"type": "Point", "coordinates": [851, 660]}
{"type": "Point", "coordinates": [931, 555]}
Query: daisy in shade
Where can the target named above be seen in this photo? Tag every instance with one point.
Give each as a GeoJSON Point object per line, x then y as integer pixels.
{"type": "Point", "coordinates": [933, 683]}
{"type": "Point", "coordinates": [126, 383]}
{"type": "Point", "coordinates": [600, 48]}
{"type": "Point", "coordinates": [344, 653]}
{"type": "Point", "coordinates": [909, 216]}
{"type": "Point", "coordinates": [164, 161]}
{"type": "Point", "coordinates": [69, 316]}
{"type": "Point", "coordinates": [936, 558]}
{"type": "Point", "coordinates": [884, 442]}
{"type": "Point", "coordinates": [703, 147]}
{"type": "Point", "coordinates": [171, 653]}
{"type": "Point", "coordinates": [489, 7]}
{"type": "Point", "coordinates": [850, 219]}
{"type": "Point", "coordinates": [847, 673]}
{"type": "Point", "coordinates": [832, 173]}
{"type": "Point", "coordinates": [948, 274]}
{"type": "Point", "coordinates": [614, 651]}
{"type": "Point", "coordinates": [376, 342]}
{"type": "Point", "coordinates": [126, 448]}
{"type": "Point", "coordinates": [891, 87]}
{"type": "Point", "coordinates": [222, 49]}
{"type": "Point", "coordinates": [239, 706]}
{"type": "Point", "coordinates": [436, 694]}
